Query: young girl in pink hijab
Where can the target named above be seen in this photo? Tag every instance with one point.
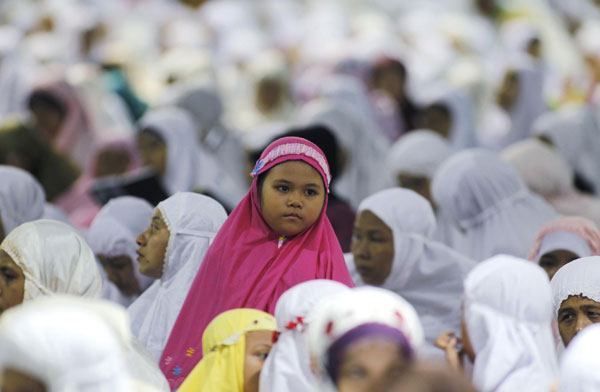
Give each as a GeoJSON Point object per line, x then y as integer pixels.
{"type": "Point", "coordinates": [277, 236]}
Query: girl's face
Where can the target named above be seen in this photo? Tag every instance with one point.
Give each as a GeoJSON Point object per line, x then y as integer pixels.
{"type": "Point", "coordinates": [372, 248]}
{"type": "Point", "coordinates": [153, 151]}
{"type": "Point", "coordinates": [12, 283]}
{"type": "Point", "coordinates": [555, 260]}
{"type": "Point", "coordinates": [575, 314]}
{"type": "Point", "coordinates": [120, 271]}
{"type": "Point", "coordinates": [369, 364]}
{"type": "Point", "coordinates": [292, 197]}
{"type": "Point", "coordinates": [258, 346]}
{"type": "Point", "coordinates": [15, 381]}
{"type": "Point", "coordinates": [153, 246]}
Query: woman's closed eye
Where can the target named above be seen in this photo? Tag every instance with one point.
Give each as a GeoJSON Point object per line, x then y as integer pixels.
{"type": "Point", "coordinates": [565, 317]}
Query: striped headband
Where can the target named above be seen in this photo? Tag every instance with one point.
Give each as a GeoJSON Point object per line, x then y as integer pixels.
{"type": "Point", "coordinates": [293, 149]}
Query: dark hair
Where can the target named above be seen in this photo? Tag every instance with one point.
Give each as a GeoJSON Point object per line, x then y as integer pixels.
{"type": "Point", "coordinates": [385, 64]}
{"type": "Point", "coordinates": [46, 98]}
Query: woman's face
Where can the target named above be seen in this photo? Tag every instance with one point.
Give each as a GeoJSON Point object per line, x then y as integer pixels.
{"type": "Point", "coordinates": [258, 346]}
{"type": "Point", "coordinates": [16, 381]}
{"type": "Point", "coordinates": [152, 247]}
{"type": "Point", "coordinates": [368, 364]}
{"type": "Point", "coordinates": [153, 151]}
{"type": "Point", "coordinates": [574, 314]}
{"type": "Point", "coordinates": [12, 282]}
{"type": "Point", "coordinates": [292, 197]}
{"type": "Point", "coordinates": [372, 248]}
{"type": "Point", "coordinates": [555, 260]}
{"type": "Point", "coordinates": [120, 271]}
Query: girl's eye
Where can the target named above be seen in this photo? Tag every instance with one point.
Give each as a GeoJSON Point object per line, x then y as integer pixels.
{"type": "Point", "coordinates": [355, 372]}
{"type": "Point", "coordinates": [283, 188]}
{"type": "Point", "coordinates": [262, 356]}
{"type": "Point", "coordinates": [311, 192]}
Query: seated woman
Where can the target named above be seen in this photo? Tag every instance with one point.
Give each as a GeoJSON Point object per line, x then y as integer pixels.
{"type": "Point", "coordinates": [361, 338]}
{"type": "Point", "coordinates": [22, 199]}
{"type": "Point", "coordinates": [506, 328]}
{"type": "Point", "coordinates": [564, 240]}
{"type": "Point", "coordinates": [235, 345]}
{"type": "Point", "coordinates": [576, 296]}
{"type": "Point", "coordinates": [112, 238]}
{"type": "Point", "coordinates": [45, 257]}
{"type": "Point", "coordinates": [580, 364]}
{"type": "Point", "coordinates": [170, 251]}
{"type": "Point", "coordinates": [393, 248]}
{"type": "Point", "coordinates": [76, 350]}
{"type": "Point", "coordinates": [287, 369]}
{"type": "Point", "coordinates": [168, 143]}
{"type": "Point", "coordinates": [485, 198]}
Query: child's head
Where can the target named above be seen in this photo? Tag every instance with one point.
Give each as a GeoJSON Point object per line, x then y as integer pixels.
{"type": "Point", "coordinates": [292, 185]}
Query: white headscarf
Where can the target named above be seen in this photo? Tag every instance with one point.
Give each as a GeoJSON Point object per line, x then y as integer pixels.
{"type": "Point", "coordinates": [580, 364]}
{"type": "Point", "coordinates": [345, 311]}
{"type": "Point", "coordinates": [178, 131]}
{"type": "Point", "coordinates": [417, 153]}
{"type": "Point", "coordinates": [547, 173]}
{"type": "Point", "coordinates": [189, 165]}
{"type": "Point", "coordinates": [576, 134]}
{"type": "Point", "coordinates": [508, 315]}
{"type": "Point", "coordinates": [114, 231]}
{"type": "Point", "coordinates": [579, 277]}
{"type": "Point", "coordinates": [487, 200]}
{"type": "Point", "coordinates": [426, 273]}
{"type": "Point", "coordinates": [22, 198]}
{"type": "Point", "coordinates": [193, 221]}
{"type": "Point", "coordinates": [54, 259]}
{"type": "Point", "coordinates": [287, 368]}
{"type": "Point", "coordinates": [65, 345]}
{"type": "Point", "coordinates": [501, 128]}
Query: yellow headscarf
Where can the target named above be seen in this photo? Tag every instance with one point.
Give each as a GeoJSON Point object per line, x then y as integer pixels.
{"type": "Point", "coordinates": [224, 347]}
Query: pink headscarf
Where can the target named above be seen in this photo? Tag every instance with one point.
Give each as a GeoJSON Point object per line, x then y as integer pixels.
{"type": "Point", "coordinates": [582, 227]}
{"type": "Point", "coordinates": [246, 268]}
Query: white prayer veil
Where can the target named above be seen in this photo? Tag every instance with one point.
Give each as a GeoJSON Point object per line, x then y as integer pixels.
{"type": "Point", "coordinates": [424, 272]}
{"type": "Point", "coordinates": [580, 363]}
{"type": "Point", "coordinates": [114, 231]}
{"type": "Point", "coordinates": [349, 309]}
{"type": "Point", "coordinates": [22, 198]}
{"type": "Point", "coordinates": [579, 277]}
{"type": "Point", "coordinates": [508, 315]}
{"type": "Point", "coordinates": [287, 368]}
{"type": "Point", "coordinates": [486, 199]}
{"type": "Point", "coordinates": [193, 221]}
{"type": "Point", "coordinates": [54, 258]}
{"type": "Point", "coordinates": [64, 343]}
